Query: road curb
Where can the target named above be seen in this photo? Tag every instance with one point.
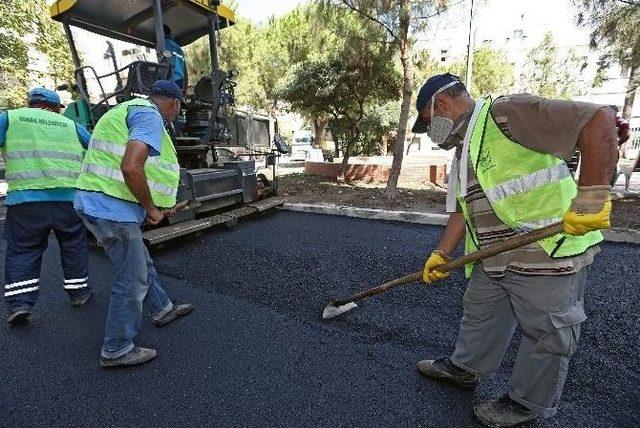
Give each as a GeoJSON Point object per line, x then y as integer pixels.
{"type": "Point", "coordinates": [628, 236]}
{"type": "Point", "coordinates": [370, 213]}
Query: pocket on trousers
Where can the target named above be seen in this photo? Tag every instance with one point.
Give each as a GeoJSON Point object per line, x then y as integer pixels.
{"type": "Point", "coordinates": [567, 317]}
{"type": "Point", "coordinates": [564, 338]}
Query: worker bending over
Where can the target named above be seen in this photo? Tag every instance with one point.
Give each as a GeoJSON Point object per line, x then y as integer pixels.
{"type": "Point", "coordinates": [509, 176]}
{"type": "Point", "coordinates": [130, 173]}
{"type": "Point", "coordinates": [43, 151]}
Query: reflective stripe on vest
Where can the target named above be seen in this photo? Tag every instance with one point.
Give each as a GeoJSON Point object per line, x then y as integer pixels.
{"type": "Point", "coordinates": [116, 174]}
{"type": "Point", "coordinates": [527, 190]}
{"type": "Point", "coordinates": [527, 182]}
{"type": "Point", "coordinates": [42, 154]}
{"type": "Point", "coordinates": [118, 150]}
{"type": "Point", "coordinates": [45, 173]}
{"type": "Point", "coordinates": [42, 150]}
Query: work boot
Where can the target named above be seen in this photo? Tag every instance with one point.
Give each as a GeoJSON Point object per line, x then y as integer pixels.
{"type": "Point", "coordinates": [443, 369]}
{"type": "Point", "coordinates": [503, 413]}
{"type": "Point", "coordinates": [135, 357]}
{"type": "Point", "coordinates": [175, 313]}
{"type": "Point", "coordinates": [18, 316]}
{"type": "Point", "coordinates": [80, 300]}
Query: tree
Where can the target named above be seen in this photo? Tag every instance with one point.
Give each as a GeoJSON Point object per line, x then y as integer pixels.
{"type": "Point", "coordinates": [22, 21]}
{"type": "Point", "coordinates": [493, 74]}
{"type": "Point", "coordinates": [548, 74]}
{"type": "Point", "coordinates": [345, 88]}
{"type": "Point", "coordinates": [615, 27]}
{"type": "Point", "coordinates": [397, 18]}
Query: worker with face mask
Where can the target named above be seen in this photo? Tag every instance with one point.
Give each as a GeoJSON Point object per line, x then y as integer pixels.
{"type": "Point", "coordinates": [509, 176]}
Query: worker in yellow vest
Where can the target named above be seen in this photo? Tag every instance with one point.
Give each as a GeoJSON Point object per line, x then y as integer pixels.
{"type": "Point", "coordinates": [43, 151]}
{"type": "Point", "coordinates": [130, 173]}
{"type": "Point", "coordinates": [509, 175]}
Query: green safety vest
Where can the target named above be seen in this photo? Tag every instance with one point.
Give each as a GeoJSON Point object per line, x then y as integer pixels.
{"type": "Point", "coordinates": [101, 167]}
{"type": "Point", "coordinates": [42, 150]}
{"type": "Point", "coordinates": [526, 189]}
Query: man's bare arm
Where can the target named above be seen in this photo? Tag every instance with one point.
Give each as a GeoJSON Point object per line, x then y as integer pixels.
{"type": "Point", "coordinates": [453, 234]}
{"type": "Point", "coordinates": [598, 143]}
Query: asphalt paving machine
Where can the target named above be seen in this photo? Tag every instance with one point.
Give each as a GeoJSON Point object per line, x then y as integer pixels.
{"type": "Point", "coordinates": [219, 185]}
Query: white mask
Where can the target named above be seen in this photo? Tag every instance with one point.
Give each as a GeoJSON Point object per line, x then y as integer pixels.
{"type": "Point", "coordinates": [441, 128]}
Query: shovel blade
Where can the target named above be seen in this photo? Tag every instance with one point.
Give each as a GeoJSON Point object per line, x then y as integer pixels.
{"type": "Point", "coordinates": [333, 311]}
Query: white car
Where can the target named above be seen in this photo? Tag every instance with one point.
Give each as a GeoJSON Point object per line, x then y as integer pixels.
{"type": "Point", "coordinates": [300, 147]}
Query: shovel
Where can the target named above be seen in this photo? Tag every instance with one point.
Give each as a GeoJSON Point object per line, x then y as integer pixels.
{"type": "Point", "coordinates": [345, 304]}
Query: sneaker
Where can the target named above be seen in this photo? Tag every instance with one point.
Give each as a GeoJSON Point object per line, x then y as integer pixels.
{"type": "Point", "coordinates": [503, 413]}
{"type": "Point", "coordinates": [443, 369]}
{"type": "Point", "coordinates": [177, 312]}
{"type": "Point", "coordinates": [18, 316]}
{"type": "Point", "coordinates": [135, 357]}
{"type": "Point", "coordinates": [80, 300]}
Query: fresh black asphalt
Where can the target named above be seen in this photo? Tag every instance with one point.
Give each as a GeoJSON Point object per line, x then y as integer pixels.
{"type": "Point", "coordinates": [256, 351]}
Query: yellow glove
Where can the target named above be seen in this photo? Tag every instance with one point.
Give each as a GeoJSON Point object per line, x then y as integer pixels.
{"type": "Point", "coordinates": [429, 274]}
{"type": "Point", "coordinates": [590, 210]}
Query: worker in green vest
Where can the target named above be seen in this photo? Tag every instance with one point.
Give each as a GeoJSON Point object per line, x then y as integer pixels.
{"type": "Point", "coordinates": [130, 174]}
{"type": "Point", "coordinates": [509, 176]}
{"type": "Point", "coordinates": [43, 151]}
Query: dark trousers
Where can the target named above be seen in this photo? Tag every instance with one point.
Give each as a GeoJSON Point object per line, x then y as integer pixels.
{"type": "Point", "coordinates": [27, 229]}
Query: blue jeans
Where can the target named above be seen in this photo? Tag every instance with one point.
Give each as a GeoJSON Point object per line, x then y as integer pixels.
{"type": "Point", "coordinates": [136, 282]}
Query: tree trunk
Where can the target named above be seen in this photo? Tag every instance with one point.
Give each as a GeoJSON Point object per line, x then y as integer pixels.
{"type": "Point", "coordinates": [319, 123]}
{"type": "Point", "coordinates": [407, 90]}
{"type": "Point", "coordinates": [632, 86]}
{"type": "Point", "coordinates": [345, 161]}
{"type": "Point", "coordinates": [351, 142]}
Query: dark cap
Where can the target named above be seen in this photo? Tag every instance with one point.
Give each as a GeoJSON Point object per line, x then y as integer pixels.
{"type": "Point", "coordinates": [166, 88]}
{"type": "Point", "coordinates": [428, 89]}
{"type": "Point", "coordinates": [44, 95]}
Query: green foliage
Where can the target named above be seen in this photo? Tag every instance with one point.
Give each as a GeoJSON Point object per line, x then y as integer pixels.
{"type": "Point", "coordinates": [380, 120]}
{"type": "Point", "coordinates": [548, 74]}
{"type": "Point", "coordinates": [350, 89]}
{"type": "Point", "coordinates": [493, 74]}
{"type": "Point", "coordinates": [22, 22]}
{"type": "Point", "coordinates": [614, 26]}
{"type": "Point", "coordinates": [348, 84]}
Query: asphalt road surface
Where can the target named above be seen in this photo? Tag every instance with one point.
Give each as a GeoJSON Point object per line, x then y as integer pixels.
{"type": "Point", "coordinates": [257, 353]}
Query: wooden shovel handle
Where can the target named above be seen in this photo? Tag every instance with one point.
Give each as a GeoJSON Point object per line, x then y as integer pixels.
{"type": "Point", "coordinates": [500, 247]}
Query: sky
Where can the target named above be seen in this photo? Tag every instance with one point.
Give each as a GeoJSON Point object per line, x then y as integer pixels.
{"type": "Point", "coordinates": [492, 18]}
{"type": "Point", "coordinates": [262, 10]}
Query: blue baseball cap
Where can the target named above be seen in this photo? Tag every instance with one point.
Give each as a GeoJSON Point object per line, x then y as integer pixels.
{"type": "Point", "coordinates": [428, 89]}
{"type": "Point", "coordinates": [166, 88]}
{"type": "Point", "coordinates": [44, 95]}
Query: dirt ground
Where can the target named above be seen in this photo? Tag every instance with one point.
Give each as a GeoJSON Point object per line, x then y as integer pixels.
{"type": "Point", "coordinates": [301, 188]}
